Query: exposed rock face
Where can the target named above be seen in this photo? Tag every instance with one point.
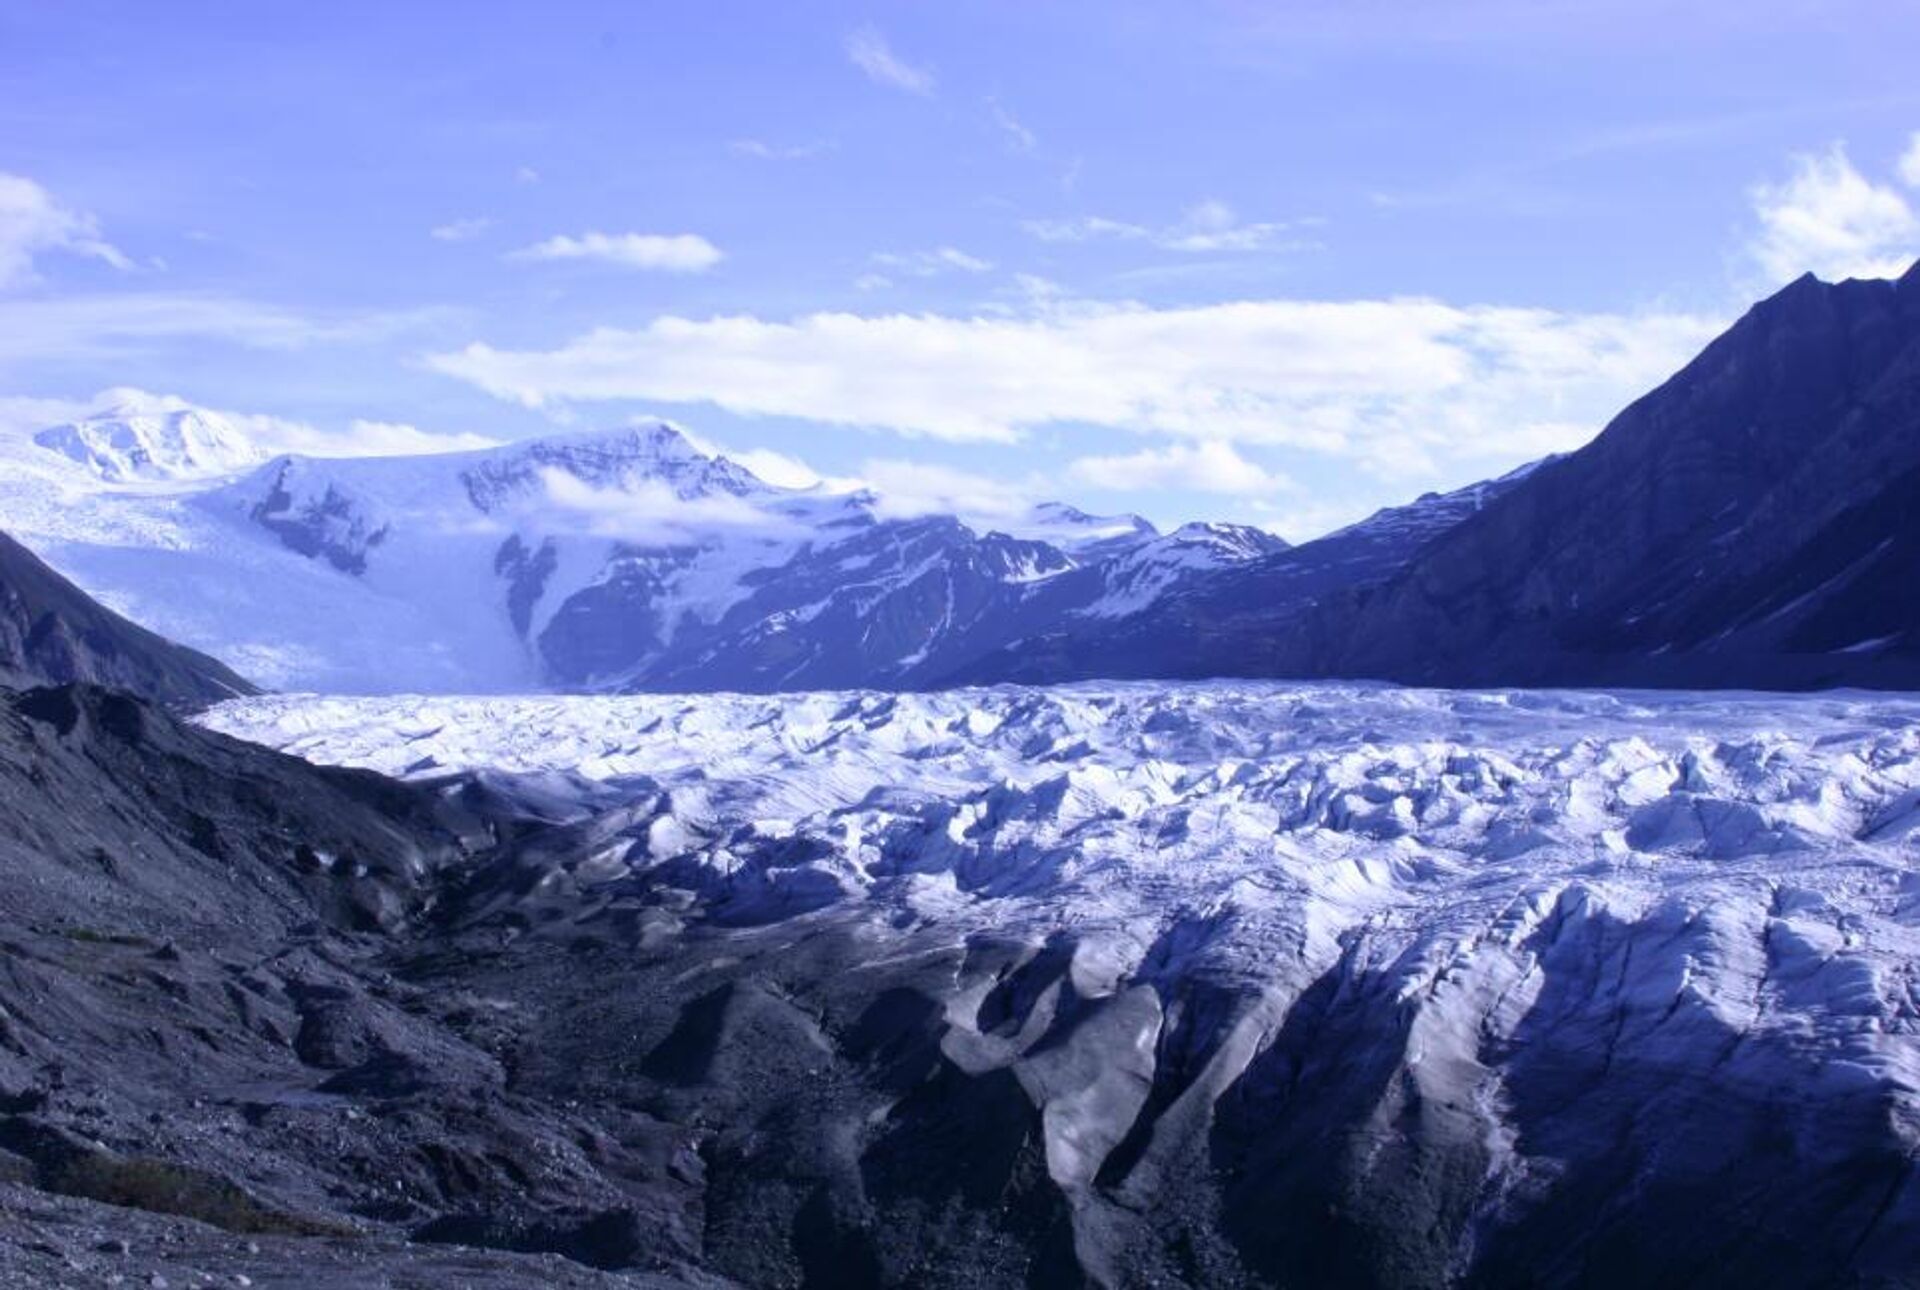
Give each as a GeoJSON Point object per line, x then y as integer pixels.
{"type": "Point", "coordinates": [1750, 522]}
{"type": "Point", "coordinates": [626, 560]}
{"type": "Point", "coordinates": [203, 1024]}
{"type": "Point", "coordinates": [52, 632]}
{"type": "Point", "coordinates": [1747, 524]}
{"type": "Point", "coordinates": [1270, 613]}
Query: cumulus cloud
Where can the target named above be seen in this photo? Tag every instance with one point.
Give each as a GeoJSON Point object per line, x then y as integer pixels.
{"type": "Point", "coordinates": [32, 223]}
{"type": "Point", "coordinates": [649, 512]}
{"type": "Point", "coordinates": [1388, 382]}
{"type": "Point", "coordinates": [666, 253]}
{"type": "Point", "coordinates": [1207, 227]}
{"type": "Point", "coordinates": [1828, 219]}
{"type": "Point", "coordinates": [461, 230]}
{"type": "Point", "coordinates": [1210, 466]}
{"type": "Point", "coordinates": [871, 54]}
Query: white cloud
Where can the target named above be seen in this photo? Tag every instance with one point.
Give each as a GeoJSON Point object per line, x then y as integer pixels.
{"type": "Point", "coordinates": [927, 264]}
{"type": "Point", "coordinates": [31, 223]}
{"type": "Point", "coordinates": [109, 325]}
{"type": "Point", "coordinates": [763, 151]}
{"type": "Point", "coordinates": [1910, 162]}
{"type": "Point", "coordinates": [1390, 383]}
{"type": "Point", "coordinates": [462, 230]}
{"type": "Point", "coordinates": [779, 469]}
{"type": "Point", "coordinates": [667, 253]}
{"type": "Point", "coordinates": [364, 438]}
{"type": "Point", "coordinates": [872, 282]}
{"type": "Point", "coordinates": [1209, 226]}
{"type": "Point", "coordinates": [1828, 219]}
{"type": "Point", "coordinates": [1019, 138]}
{"type": "Point", "coordinates": [1210, 466]}
{"type": "Point", "coordinates": [649, 512]}
{"type": "Point", "coordinates": [871, 54]}
{"type": "Point", "coordinates": [526, 175]}
{"type": "Point", "coordinates": [906, 489]}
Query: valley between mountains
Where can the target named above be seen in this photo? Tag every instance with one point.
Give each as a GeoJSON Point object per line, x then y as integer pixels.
{"type": "Point", "coordinates": [418, 874]}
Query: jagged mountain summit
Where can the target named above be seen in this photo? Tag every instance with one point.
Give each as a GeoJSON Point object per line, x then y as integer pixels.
{"type": "Point", "coordinates": [1745, 524]}
{"type": "Point", "coordinates": [630, 559]}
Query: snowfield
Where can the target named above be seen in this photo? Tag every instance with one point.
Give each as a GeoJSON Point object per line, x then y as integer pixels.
{"type": "Point", "coordinates": [1507, 985]}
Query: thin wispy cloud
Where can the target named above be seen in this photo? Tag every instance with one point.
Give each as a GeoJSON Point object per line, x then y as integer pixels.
{"type": "Point", "coordinates": [1208, 226]}
{"type": "Point", "coordinates": [869, 51]}
{"type": "Point", "coordinates": [761, 150]}
{"type": "Point", "coordinates": [1829, 219]}
{"type": "Point", "coordinates": [928, 264]}
{"type": "Point", "coordinates": [461, 230]}
{"type": "Point", "coordinates": [664, 253]}
{"type": "Point", "coordinates": [111, 326]}
{"type": "Point", "coordinates": [32, 224]}
{"type": "Point", "coordinates": [1019, 138]}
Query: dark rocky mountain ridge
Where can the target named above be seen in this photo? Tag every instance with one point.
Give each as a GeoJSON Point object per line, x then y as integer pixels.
{"type": "Point", "coordinates": [51, 631]}
{"type": "Point", "coordinates": [1748, 524]}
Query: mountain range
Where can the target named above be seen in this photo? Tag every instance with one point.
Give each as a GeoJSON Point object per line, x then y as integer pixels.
{"type": "Point", "coordinates": [1173, 984]}
{"type": "Point", "coordinates": [1741, 525]}
{"type": "Point", "coordinates": [1747, 524]}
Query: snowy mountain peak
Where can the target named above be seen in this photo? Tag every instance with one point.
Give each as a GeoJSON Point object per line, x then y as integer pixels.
{"type": "Point", "coordinates": [143, 437]}
{"type": "Point", "coordinates": [620, 458]}
{"type": "Point", "coordinates": [1240, 541]}
{"type": "Point", "coordinates": [1083, 535]}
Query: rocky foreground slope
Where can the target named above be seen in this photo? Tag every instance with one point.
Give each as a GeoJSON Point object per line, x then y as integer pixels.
{"type": "Point", "coordinates": [1215, 985]}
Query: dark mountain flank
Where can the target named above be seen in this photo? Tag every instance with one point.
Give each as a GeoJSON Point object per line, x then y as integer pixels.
{"type": "Point", "coordinates": [1750, 523]}
{"type": "Point", "coordinates": [52, 632]}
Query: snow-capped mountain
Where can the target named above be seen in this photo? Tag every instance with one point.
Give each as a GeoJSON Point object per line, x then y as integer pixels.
{"type": "Point", "coordinates": [1220, 599]}
{"type": "Point", "coordinates": [144, 437]}
{"type": "Point", "coordinates": [629, 559]}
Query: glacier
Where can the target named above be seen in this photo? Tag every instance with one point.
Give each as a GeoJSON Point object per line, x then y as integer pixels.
{"type": "Point", "coordinates": [1309, 983]}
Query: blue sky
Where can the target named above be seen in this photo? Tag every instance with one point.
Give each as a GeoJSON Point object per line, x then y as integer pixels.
{"type": "Point", "coordinates": [1280, 263]}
